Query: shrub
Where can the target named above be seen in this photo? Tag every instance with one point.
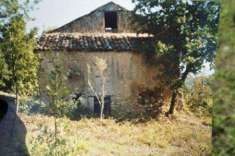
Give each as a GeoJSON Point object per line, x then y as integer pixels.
{"type": "Point", "coordinates": [198, 97]}
{"type": "Point", "coordinates": [33, 105]}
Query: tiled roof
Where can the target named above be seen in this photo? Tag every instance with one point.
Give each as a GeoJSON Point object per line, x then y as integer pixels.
{"type": "Point", "coordinates": [93, 42]}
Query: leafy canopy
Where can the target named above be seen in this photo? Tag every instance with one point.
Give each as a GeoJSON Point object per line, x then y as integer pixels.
{"type": "Point", "coordinates": [17, 59]}
{"type": "Point", "coordinates": [182, 28]}
{"type": "Point", "coordinates": [18, 50]}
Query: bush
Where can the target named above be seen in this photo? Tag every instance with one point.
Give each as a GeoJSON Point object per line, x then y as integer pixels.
{"type": "Point", "coordinates": [198, 97]}
{"type": "Point", "coordinates": [43, 145]}
{"type": "Point", "coordinates": [31, 105]}
{"type": "Point", "coordinates": [34, 105]}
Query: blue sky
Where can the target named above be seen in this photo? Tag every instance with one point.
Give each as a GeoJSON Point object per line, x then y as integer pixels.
{"type": "Point", "coordinates": [54, 13]}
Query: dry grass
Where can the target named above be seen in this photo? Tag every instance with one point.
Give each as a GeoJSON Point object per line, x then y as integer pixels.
{"type": "Point", "coordinates": [185, 134]}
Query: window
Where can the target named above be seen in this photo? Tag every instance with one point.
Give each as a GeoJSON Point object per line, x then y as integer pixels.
{"type": "Point", "coordinates": [111, 21]}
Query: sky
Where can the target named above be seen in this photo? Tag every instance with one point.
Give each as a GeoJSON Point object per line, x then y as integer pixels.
{"type": "Point", "coordinates": [50, 14]}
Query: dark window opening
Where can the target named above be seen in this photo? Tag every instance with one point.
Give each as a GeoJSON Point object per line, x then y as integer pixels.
{"type": "Point", "coordinates": [3, 109]}
{"type": "Point", "coordinates": [107, 106]}
{"type": "Point", "coordinates": [111, 21]}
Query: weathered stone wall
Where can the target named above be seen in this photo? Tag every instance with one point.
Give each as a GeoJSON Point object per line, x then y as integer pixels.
{"type": "Point", "coordinates": [95, 23]}
{"type": "Point", "coordinates": [125, 72]}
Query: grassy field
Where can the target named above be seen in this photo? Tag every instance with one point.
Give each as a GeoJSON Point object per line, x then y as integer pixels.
{"type": "Point", "coordinates": [183, 135]}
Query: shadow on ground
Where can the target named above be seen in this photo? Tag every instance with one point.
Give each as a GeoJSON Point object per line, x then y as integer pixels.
{"type": "Point", "coordinates": [36, 106]}
{"type": "Point", "coordinates": [12, 131]}
{"type": "Point", "coordinates": [118, 115]}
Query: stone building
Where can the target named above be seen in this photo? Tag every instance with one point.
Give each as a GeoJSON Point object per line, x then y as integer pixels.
{"type": "Point", "coordinates": [108, 33]}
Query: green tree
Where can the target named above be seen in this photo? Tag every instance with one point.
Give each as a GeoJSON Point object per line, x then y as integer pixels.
{"type": "Point", "coordinates": [11, 8]}
{"type": "Point", "coordinates": [7, 10]}
{"type": "Point", "coordinates": [17, 60]}
{"type": "Point", "coordinates": [57, 91]}
{"type": "Point", "coordinates": [184, 31]}
{"type": "Point", "coordinates": [224, 86]}
{"type": "Point", "coordinates": [17, 47]}
{"type": "Point", "coordinates": [3, 71]}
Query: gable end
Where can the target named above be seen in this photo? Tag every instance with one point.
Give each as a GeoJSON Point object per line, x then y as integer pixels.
{"type": "Point", "coordinates": [95, 21]}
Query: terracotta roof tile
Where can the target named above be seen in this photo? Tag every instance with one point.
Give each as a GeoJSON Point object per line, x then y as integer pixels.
{"type": "Point", "coordinates": [93, 42]}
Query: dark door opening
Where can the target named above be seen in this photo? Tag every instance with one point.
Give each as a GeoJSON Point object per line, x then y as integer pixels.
{"type": "Point", "coordinates": [107, 106]}
{"type": "Point", "coordinates": [96, 107]}
{"type": "Point", "coordinates": [3, 108]}
{"type": "Point", "coordinates": [111, 21]}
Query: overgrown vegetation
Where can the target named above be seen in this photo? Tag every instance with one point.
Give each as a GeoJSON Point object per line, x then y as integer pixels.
{"type": "Point", "coordinates": [17, 59]}
{"type": "Point", "coordinates": [224, 86]}
{"type": "Point", "coordinates": [181, 33]}
{"type": "Point", "coordinates": [58, 102]}
{"type": "Point", "coordinates": [151, 101]}
{"type": "Point", "coordinates": [198, 97]}
{"type": "Point", "coordinates": [183, 30]}
{"type": "Point", "coordinates": [185, 135]}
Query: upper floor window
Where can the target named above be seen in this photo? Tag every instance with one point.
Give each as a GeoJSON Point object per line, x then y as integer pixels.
{"type": "Point", "coordinates": [111, 21]}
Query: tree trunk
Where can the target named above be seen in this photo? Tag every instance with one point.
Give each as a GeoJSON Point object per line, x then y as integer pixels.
{"type": "Point", "coordinates": [17, 98]}
{"type": "Point", "coordinates": [102, 98]}
{"type": "Point", "coordinates": [102, 108]}
{"type": "Point", "coordinates": [175, 90]}
{"type": "Point", "coordinates": [55, 130]}
{"type": "Point", "coordinates": [173, 102]}
{"type": "Point", "coordinates": [55, 135]}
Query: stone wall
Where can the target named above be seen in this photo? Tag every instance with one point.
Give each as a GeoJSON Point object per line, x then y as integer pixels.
{"type": "Point", "coordinates": [125, 72]}
{"type": "Point", "coordinates": [95, 23]}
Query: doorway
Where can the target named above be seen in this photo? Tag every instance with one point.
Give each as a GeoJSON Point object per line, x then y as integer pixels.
{"type": "Point", "coordinates": [107, 106]}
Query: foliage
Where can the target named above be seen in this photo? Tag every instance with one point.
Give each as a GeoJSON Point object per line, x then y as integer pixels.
{"type": "Point", "coordinates": [57, 93]}
{"type": "Point", "coordinates": [3, 71]}
{"type": "Point", "coordinates": [56, 89]}
{"type": "Point", "coordinates": [223, 86]}
{"type": "Point", "coordinates": [34, 105]}
{"type": "Point", "coordinates": [184, 30]}
{"type": "Point", "coordinates": [17, 47]}
{"type": "Point", "coordinates": [43, 145]}
{"type": "Point", "coordinates": [11, 8]}
{"type": "Point", "coordinates": [151, 100]}
{"type": "Point", "coordinates": [30, 105]}
{"type": "Point", "coordinates": [198, 97]}
{"type": "Point", "coordinates": [74, 71]}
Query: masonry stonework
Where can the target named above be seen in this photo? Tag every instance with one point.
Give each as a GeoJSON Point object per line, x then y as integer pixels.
{"type": "Point", "coordinates": [125, 71]}
{"type": "Point", "coordinates": [94, 22]}
{"type": "Point", "coordinates": [81, 41]}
